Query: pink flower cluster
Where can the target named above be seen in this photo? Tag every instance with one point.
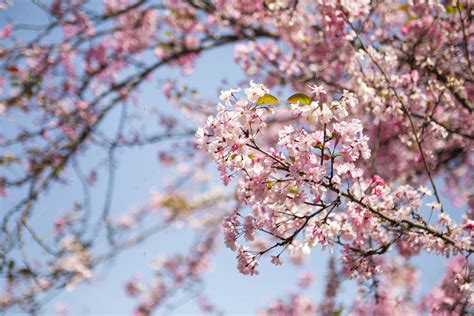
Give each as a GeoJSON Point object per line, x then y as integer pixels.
{"type": "Point", "coordinates": [307, 189]}
{"type": "Point", "coordinates": [295, 305]}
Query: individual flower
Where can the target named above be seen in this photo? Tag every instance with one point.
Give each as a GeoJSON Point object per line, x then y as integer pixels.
{"type": "Point", "coordinates": [255, 91]}
{"type": "Point", "coordinates": [434, 205]}
{"type": "Point", "coordinates": [323, 113]}
{"type": "Point", "coordinates": [306, 279]}
{"type": "Point", "coordinates": [226, 95]}
{"type": "Point", "coordinates": [276, 260]}
{"type": "Point", "coordinates": [424, 190]}
{"type": "Point", "coordinates": [378, 180]}
{"type": "Point", "coordinates": [315, 89]}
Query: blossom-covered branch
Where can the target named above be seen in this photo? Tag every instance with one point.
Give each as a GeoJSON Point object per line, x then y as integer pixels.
{"type": "Point", "coordinates": [308, 182]}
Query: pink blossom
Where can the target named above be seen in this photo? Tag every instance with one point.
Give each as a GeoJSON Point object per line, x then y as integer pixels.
{"type": "Point", "coordinates": [246, 263]}
{"type": "Point", "coordinates": [250, 228]}
{"type": "Point", "coordinates": [6, 31]}
{"type": "Point", "coordinates": [229, 226]}
{"type": "Point", "coordinates": [315, 89]}
{"type": "Point", "coordinates": [306, 279]}
{"type": "Point", "coordinates": [378, 180]}
{"type": "Point", "coordinates": [276, 260]}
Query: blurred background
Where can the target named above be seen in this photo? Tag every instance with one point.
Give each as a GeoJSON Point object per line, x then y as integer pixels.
{"type": "Point", "coordinates": [139, 174]}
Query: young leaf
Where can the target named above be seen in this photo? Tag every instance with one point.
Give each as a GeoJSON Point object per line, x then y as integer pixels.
{"type": "Point", "coordinates": [299, 98]}
{"type": "Point", "coordinates": [451, 9]}
{"type": "Point", "coordinates": [405, 7]}
{"type": "Point", "coordinates": [293, 189]}
{"type": "Point", "coordinates": [267, 99]}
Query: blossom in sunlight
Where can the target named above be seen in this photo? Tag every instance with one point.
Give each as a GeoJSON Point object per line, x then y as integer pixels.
{"type": "Point", "coordinates": [315, 89]}
{"type": "Point", "coordinates": [255, 91]}
{"type": "Point", "coordinates": [226, 95]}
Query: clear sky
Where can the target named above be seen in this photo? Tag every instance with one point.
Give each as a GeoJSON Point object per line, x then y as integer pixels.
{"type": "Point", "coordinates": [138, 171]}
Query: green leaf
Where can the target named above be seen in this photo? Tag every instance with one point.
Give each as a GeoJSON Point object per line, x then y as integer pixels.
{"type": "Point", "coordinates": [176, 203]}
{"type": "Point", "coordinates": [233, 156]}
{"type": "Point", "coordinates": [299, 98]}
{"type": "Point", "coordinates": [450, 9]}
{"type": "Point", "coordinates": [267, 99]}
{"type": "Point", "coordinates": [57, 170]}
{"type": "Point", "coordinates": [405, 7]}
{"type": "Point", "coordinates": [251, 156]}
{"type": "Point", "coordinates": [293, 189]}
{"type": "Point", "coordinates": [383, 94]}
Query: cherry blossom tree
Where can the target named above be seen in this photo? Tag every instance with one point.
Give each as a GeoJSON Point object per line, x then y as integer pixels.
{"type": "Point", "coordinates": [352, 133]}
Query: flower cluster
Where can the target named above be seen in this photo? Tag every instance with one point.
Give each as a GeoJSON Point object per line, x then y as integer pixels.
{"type": "Point", "coordinates": [76, 260]}
{"type": "Point", "coordinates": [454, 292]}
{"type": "Point", "coordinates": [306, 189]}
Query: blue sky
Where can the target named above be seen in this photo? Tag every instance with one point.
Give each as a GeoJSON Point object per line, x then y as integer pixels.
{"type": "Point", "coordinates": [138, 172]}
